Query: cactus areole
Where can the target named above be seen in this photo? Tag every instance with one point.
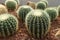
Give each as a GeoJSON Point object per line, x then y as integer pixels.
{"type": "Point", "coordinates": [8, 25]}
{"type": "Point", "coordinates": [37, 23]}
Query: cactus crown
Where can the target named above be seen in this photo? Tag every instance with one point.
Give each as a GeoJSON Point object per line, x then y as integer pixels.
{"type": "Point", "coordinates": [6, 16]}
{"type": "Point", "coordinates": [41, 5]}
{"type": "Point", "coordinates": [37, 14]}
{"type": "Point", "coordinates": [52, 13]}
{"type": "Point", "coordinates": [11, 4]}
{"type": "Point", "coordinates": [3, 9]}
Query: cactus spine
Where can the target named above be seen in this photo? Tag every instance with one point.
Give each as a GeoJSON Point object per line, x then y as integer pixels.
{"type": "Point", "coordinates": [37, 23]}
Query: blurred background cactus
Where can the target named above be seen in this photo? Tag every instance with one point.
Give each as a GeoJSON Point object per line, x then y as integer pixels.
{"type": "Point", "coordinates": [41, 5]}
{"type": "Point", "coordinates": [23, 11]}
{"type": "Point", "coordinates": [32, 4]}
{"type": "Point", "coordinates": [11, 5]}
{"type": "Point", "coordinates": [3, 9]}
{"type": "Point", "coordinates": [52, 13]}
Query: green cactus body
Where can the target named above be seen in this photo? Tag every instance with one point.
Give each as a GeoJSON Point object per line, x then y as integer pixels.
{"type": "Point", "coordinates": [8, 25]}
{"type": "Point", "coordinates": [41, 5]}
{"type": "Point", "coordinates": [3, 9]}
{"type": "Point", "coordinates": [45, 2]}
{"type": "Point", "coordinates": [58, 10]}
{"type": "Point", "coordinates": [37, 23]}
{"type": "Point", "coordinates": [52, 12]}
{"type": "Point", "coordinates": [23, 11]}
{"type": "Point", "coordinates": [11, 4]}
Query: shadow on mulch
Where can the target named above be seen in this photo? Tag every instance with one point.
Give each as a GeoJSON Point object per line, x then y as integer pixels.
{"type": "Point", "coordinates": [23, 34]}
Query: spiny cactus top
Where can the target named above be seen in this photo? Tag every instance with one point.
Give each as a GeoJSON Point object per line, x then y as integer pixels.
{"type": "Point", "coordinates": [11, 4]}
{"type": "Point", "coordinates": [52, 13]}
{"type": "Point", "coordinates": [58, 10]}
{"type": "Point", "coordinates": [45, 2]}
{"type": "Point", "coordinates": [3, 9]}
{"type": "Point", "coordinates": [23, 11]}
{"type": "Point", "coordinates": [8, 25]}
{"type": "Point", "coordinates": [37, 23]}
{"type": "Point", "coordinates": [41, 5]}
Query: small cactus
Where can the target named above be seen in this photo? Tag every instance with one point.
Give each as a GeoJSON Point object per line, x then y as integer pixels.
{"type": "Point", "coordinates": [37, 23]}
{"type": "Point", "coordinates": [52, 12]}
{"type": "Point", "coordinates": [3, 9]}
{"type": "Point", "coordinates": [17, 1]}
{"type": "Point", "coordinates": [23, 11]}
{"type": "Point", "coordinates": [8, 25]}
{"type": "Point", "coordinates": [11, 4]}
{"type": "Point", "coordinates": [32, 4]}
{"type": "Point", "coordinates": [41, 5]}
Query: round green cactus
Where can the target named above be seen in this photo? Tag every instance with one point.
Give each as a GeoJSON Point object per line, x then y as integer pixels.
{"type": "Point", "coordinates": [52, 12]}
{"type": "Point", "coordinates": [23, 11]}
{"type": "Point", "coordinates": [45, 2]}
{"type": "Point", "coordinates": [41, 5]}
{"type": "Point", "coordinates": [3, 9]}
{"type": "Point", "coordinates": [58, 10]}
{"type": "Point", "coordinates": [11, 4]}
{"type": "Point", "coordinates": [8, 25]}
{"type": "Point", "coordinates": [37, 23]}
